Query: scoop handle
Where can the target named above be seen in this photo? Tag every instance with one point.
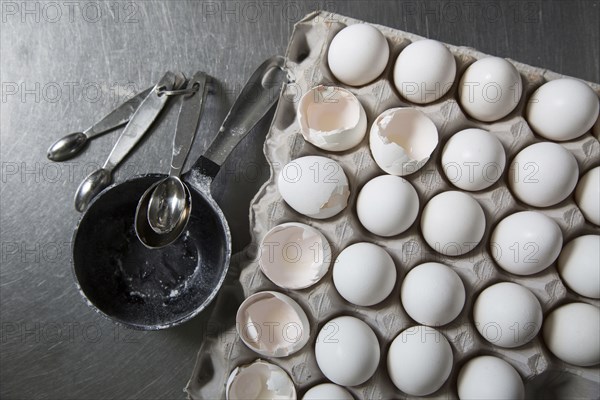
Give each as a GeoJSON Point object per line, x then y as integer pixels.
{"type": "Point", "coordinates": [258, 95]}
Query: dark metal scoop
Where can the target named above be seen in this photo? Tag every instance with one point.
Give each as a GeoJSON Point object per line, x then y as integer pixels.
{"type": "Point", "coordinates": [158, 288]}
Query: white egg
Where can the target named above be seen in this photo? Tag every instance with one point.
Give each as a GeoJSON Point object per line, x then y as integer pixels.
{"type": "Point", "coordinates": [314, 186]}
{"type": "Point", "coordinates": [364, 274]}
{"type": "Point", "coordinates": [272, 324]}
{"type": "Point", "coordinates": [358, 54]}
{"type": "Point", "coordinates": [587, 195]}
{"type": "Point", "coordinates": [294, 255]}
{"type": "Point", "coordinates": [402, 140]}
{"type": "Point", "coordinates": [571, 333]}
{"type": "Point", "coordinates": [327, 391]}
{"type": "Point", "coordinates": [347, 351]}
{"type": "Point", "coordinates": [562, 109]}
{"type": "Point", "coordinates": [387, 205]}
{"type": "Point", "coordinates": [331, 118]}
{"type": "Point", "coordinates": [579, 265]}
{"type": "Point", "coordinates": [424, 71]}
{"type": "Point", "coordinates": [432, 294]}
{"type": "Point", "coordinates": [490, 89]}
{"type": "Point", "coordinates": [452, 223]}
{"type": "Point", "coordinates": [526, 242]}
{"type": "Point", "coordinates": [543, 174]}
{"type": "Point", "coordinates": [507, 315]}
{"type": "Point", "coordinates": [489, 378]}
{"type": "Point", "coordinates": [259, 380]}
{"type": "Point", "coordinates": [473, 159]}
{"type": "Point", "coordinates": [419, 360]}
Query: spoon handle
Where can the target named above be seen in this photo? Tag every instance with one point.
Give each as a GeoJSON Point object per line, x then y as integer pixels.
{"type": "Point", "coordinates": [141, 120]}
{"type": "Point", "coordinates": [187, 122]}
{"type": "Point", "coordinates": [255, 100]}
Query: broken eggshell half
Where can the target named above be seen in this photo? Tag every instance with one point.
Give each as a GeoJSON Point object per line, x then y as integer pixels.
{"type": "Point", "coordinates": [272, 324]}
{"type": "Point", "coordinates": [331, 118]}
{"type": "Point", "coordinates": [259, 380]}
{"type": "Point", "coordinates": [314, 186]}
{"type": "Point", "coordinates": [402, 140]}
{"type": "Point", "coordinates": [294, 255]}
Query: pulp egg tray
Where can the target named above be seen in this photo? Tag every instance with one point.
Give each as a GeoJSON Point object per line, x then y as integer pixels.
{"type": "Point", "coordinates": [543, 374]}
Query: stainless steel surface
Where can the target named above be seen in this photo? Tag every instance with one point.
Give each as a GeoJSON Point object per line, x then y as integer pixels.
{"type": "Point", "coordinates": [135, 129]}
{"type": "Point", "coordinates": [59, 71]}
{"type": "Point", "coordinates": [170, 202]}
{"type": "Point", "coordinates": [70, 145]}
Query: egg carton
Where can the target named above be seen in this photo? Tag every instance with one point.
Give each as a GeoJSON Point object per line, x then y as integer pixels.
{"type": "Point", "coordinates": [544, 375]}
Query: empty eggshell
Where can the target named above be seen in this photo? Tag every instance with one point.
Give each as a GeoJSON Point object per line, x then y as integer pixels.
{"type": "Point", "coordinates": [571, 333]}
{"type": "Point", "coordinates": [387, 205]}
{"type": "Point", "coordinates": [331, 118]}
{"type": "Point", "coordinates": [259, 380]}
{"type": "Point", "coordinates": [314, 186]}
{"type": "Point", "coordinates": [452, 223]}
{"type": "Point", "coordinates": [419, 360]}
{"type": "Point", "coordinates": [347, 351]}
{"type": "Point", "coordinates": [432, 294]}
{"type": "Point", "coordinates": [327, 391]}
{"type": "Point", "coordinates": [294, 255]}
{"type": "Point", "coordinates": [358, 54]}
{"type": "Point", "coordinates": [364, 274]}
{"type": "Point", "coordinates": [579, 265]}
{"type": "Point", "coordinates": [587, 195]}
{"type": "Point", "coordinates": [507, 315]}
{"type": "Point", "coordinates": [543, 174]}
{"type": "Point", "coordinates": [489, 378]}
{"type": "Point", "coordinates": [473, 159]}
{"type": "Point", "coordinates": [490, 89]}
{"type": "Point", "coordinates": [272, 324]}
{"type": "Point", "coordinates": [526, 242]}
{"type": "Point", "coordinates": [424, 71]}
{"type": "Point", "coordinates": [402, 140]}
{"type": "Point", "coordinates": [562, 109]}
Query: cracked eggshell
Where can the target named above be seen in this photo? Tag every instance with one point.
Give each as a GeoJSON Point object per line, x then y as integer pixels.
{"type": "Point", "coordinates": [331, 118]}
{"type": "Point", "coordinates": [294, 255]}
{"type": "Point", "coordinates": [314, 186]}
{"type": "Point", "coordinates": [272, 324]}
{"type": "Point", "coordinates": [259, 380]}
{"type": "Point", "coordinates": [402, 140]}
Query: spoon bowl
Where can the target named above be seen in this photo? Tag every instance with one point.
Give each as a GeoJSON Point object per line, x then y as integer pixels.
{"type": "Point", "coordinates": [169, 205]}
{"type": "Point", "coordinates": [149, 236]}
